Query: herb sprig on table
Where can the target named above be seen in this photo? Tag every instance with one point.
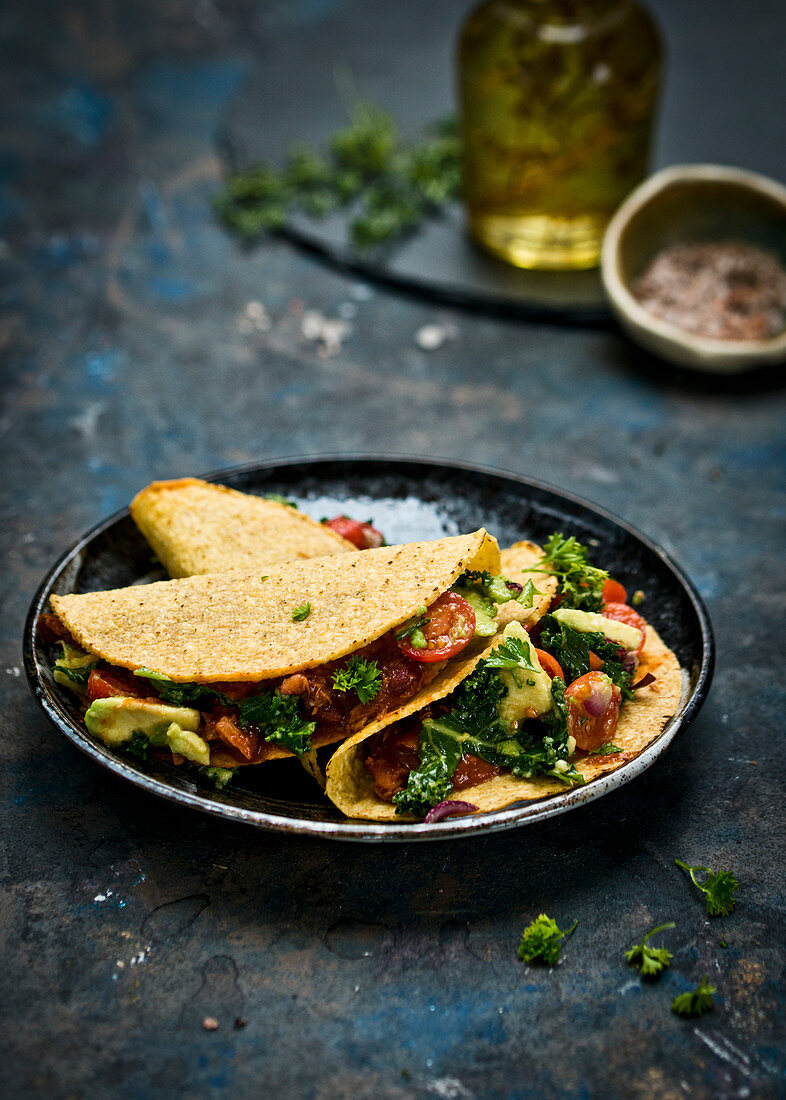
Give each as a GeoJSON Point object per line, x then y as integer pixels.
{"type": "Point", "coordinates": [394, 186]}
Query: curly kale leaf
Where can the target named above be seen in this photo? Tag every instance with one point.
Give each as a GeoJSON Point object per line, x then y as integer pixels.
{"type": "Point", "coordinates": [199, 696]}
{"type": "Point", "coordinates": [361, 676]}
{"type": "Point", "coordinates": [572, 648]}
{"type": "Point", "coordinates": [473, 726]}
{"type": "Point", "coordinates": [579, 584]}
{"type": "Point", "coordinates": [280, 719]}
{"type": "Point", "coordinates": [136, 747]}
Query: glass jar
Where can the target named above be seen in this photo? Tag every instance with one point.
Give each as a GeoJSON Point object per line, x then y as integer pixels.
{"type": "Point", "coordinates": [557, 99]}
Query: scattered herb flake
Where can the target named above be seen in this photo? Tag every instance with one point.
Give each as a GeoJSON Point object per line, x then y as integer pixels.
{"type": "Point", "coordinates": [541, 941]}
{"type": "Point", "coordinates": [301, 612]}
{"type": "Point", "coordinates": [696, 1001]}
{"type": "Point", "coordinates": [650, 960]}
{"type": "Point", "coordinates": [719, 889]}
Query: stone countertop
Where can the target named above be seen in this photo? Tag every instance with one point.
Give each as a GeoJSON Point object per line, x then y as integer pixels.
{"type": "Point", "coordinates": [140, 342]}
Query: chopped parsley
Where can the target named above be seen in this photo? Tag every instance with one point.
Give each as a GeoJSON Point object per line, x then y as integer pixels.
{"type": "Point", "coordinates": [541, 940]}
{"type": "Point", "coordinates": [606, 749]}
{"type": "Point", "coordinates": [279, 499]}
{"type": "Point", "coordinates": [650, 960]}
{"type": "Point", "coordinates": [301, 612]}
{"type": "Point", "coordinates": [280, 719]}
{"type": "Point", "coordinates": [361, 676]}
{"type": "Point", "coordinates": [696, 1001]}
{"type": "Point", "coordinates": [719, 889]}
{"type": "Point", "coordinates": [579, 584]}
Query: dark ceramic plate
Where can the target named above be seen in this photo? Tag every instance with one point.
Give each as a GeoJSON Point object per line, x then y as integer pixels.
{"type": "Point", "coordinates": [409, 500]}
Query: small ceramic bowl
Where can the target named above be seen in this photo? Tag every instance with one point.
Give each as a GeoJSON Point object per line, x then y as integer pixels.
{"type": "Point", "coordinates": [697, 202]}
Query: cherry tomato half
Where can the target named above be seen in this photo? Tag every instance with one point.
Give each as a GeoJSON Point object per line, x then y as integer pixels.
{"type": "Point", "coordinates": [450, 626]}
{"type": "Point", "coordinates": [614, 592]}
{"type": "Point", "coordinates": [549, 664]}
{"type": "Point", "coordinates": [362, 535]}
{"type": "Point", "coordinates": [622, 613]}
{"type": "Point", "coordinates": [593, 710]}
{"type": "Point", "coordinates": [104, 683]}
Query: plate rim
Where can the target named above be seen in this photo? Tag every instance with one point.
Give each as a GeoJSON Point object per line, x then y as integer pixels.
{"type": "Point", "coordinates": [355, 829]}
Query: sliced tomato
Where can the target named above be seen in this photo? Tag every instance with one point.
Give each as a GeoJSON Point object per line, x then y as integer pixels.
{"type": "Point", "coordinates": [449, 627]}
{"type": "Point", "coordinates": [549, 664]}
{"type": "Point", "coordinates": [105, 682]}
{"type": "Point", "coordinates": [623, 613]}
{"type": "Point", "coordinates": [593, 710]}
{"type": "Point", "coordinates": [362, 535]}
{"type": "Point", "coordinates": [614, 592]}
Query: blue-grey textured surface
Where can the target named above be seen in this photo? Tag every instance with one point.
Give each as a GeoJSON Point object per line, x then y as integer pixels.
{"type": "Point", "coordinates": [133, 348]}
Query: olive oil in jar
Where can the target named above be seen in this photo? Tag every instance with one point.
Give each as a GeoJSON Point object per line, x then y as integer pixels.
{"type": "Point", "coordinates": [557, 102]}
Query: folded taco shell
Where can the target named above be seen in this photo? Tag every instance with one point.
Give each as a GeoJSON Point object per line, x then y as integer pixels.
{"type": "Point", "coordinates": [195, 527]}
{"type": "Point", "coordinates": [642, 719]}
{"type": "Point", "coordinates": [240, 626]}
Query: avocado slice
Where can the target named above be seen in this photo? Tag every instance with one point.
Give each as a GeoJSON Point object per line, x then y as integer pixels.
{"type": "Point", "coordinates": [188, 744]}
{"type": "Point", "coordinates": [484, 609]}
{"type": "Point", "coordinates": [527, 690]}
{"type": "Point", "coordinates": [117, 719]}
{"type": "Point", "coordinates": [72, 667]}
{"type": "Point", "coordinates": [590, 622]}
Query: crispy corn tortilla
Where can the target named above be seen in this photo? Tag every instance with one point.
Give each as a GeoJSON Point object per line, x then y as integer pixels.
{"type": "Point", "coordinates": [514, 563]}
{"type": "Point", "coordinates": [195, 527]}
{"type": "Point", "coordinates": [351, 788]}
{"type": "Point", "coordinates": [239, 626]}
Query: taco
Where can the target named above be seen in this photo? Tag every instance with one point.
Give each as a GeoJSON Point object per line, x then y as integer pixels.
{"type": "Point", "coordinates": [260, 667]}
{"type": "Point", "coordinates": [195, 527]}
{"type": "Point", "coordinates": [580, 693]}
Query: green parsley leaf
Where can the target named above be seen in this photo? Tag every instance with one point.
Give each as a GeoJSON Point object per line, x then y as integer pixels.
{"type": "Point", "coordinates": [541, 941]}
{"type": "Point", "coordinates": [606, 749]}
{"type": "Point", "coordinates": [719, 889]}
{"type": "Point", "coordinates": [650, 960]}
{"type": "Point", "coordinates": [359, 675]}
{"type": "Point", "coordinates": [395, 186]}
{"type": "Point", "coordinates": [279, 499]}
{"type": "Point", "coordinates": [280, 719]}
{"type": "Point", "coordinates": [696, 1001]}
{"type": "Point", "coordinates": [301, 612]}
{"type": "Point", "coordinates": [512, 653]}
{"type": "Point", "coordinates": [579, 584]}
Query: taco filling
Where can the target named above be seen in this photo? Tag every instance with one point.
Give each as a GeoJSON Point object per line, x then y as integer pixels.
{"type": "Point", "coordinates": [582, 692]}
{"type": "Point", "coordinates": [221, 723]}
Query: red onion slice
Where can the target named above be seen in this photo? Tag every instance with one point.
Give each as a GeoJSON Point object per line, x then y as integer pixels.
{"type": "Point", "coordinates": [448, 809]}
{"type": "Point", "coordinates": [599, 699]}
{"type": "Point", "coordinates": [644, 681]}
